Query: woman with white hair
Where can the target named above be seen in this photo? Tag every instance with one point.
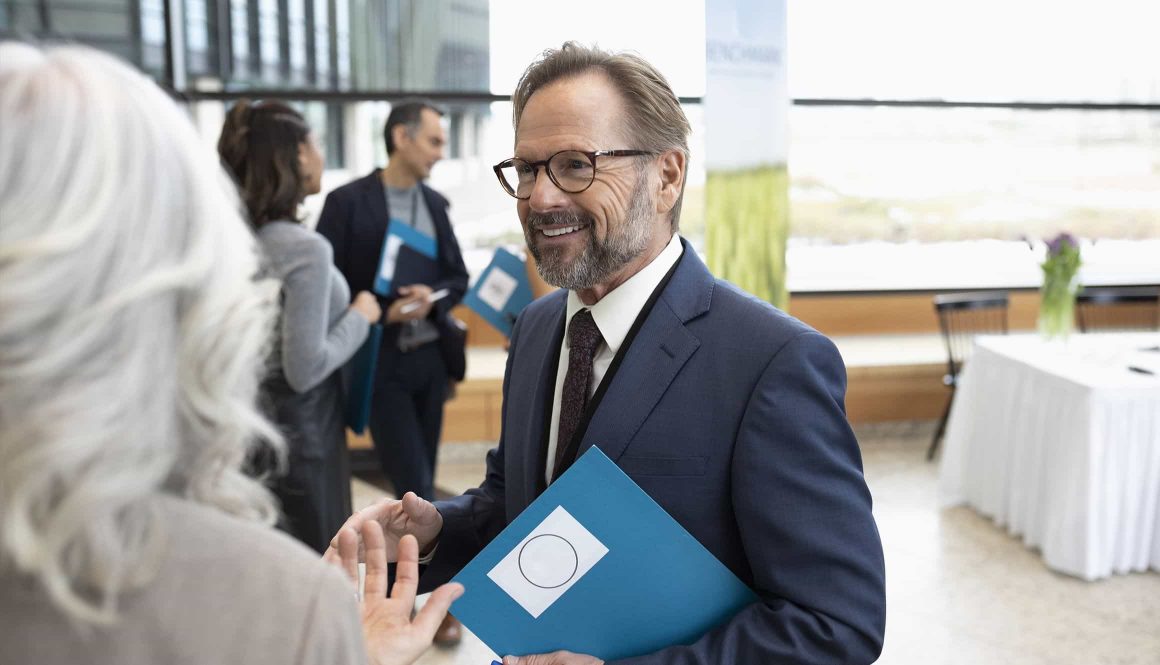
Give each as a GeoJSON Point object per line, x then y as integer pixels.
{"type": "Point", "coordinates": [132, 332]}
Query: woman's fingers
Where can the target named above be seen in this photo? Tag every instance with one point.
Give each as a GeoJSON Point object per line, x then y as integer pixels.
{"type": "Point", "coordinates": [428, 619]}
{"type": "Point", "coordinates": [407, 570]}
{"type": "Point", "coordinates": [375, 550]}
{"type": "Point", "coordinates": [348, 546]}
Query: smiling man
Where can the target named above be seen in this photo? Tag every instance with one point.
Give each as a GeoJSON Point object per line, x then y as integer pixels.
{"type": "Point", "coordinates": [726, 411]}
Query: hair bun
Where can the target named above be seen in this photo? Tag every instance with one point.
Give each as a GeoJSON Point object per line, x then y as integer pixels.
{"type": "Point", "coordinates": [233, 145]}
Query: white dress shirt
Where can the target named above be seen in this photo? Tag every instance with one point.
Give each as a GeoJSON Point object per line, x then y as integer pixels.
{"type": "Point", "coordinates": [614, 315]}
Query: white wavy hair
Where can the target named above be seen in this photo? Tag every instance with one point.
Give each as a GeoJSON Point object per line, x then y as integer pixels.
{"type": "Point", "coordinates": [132, 326]}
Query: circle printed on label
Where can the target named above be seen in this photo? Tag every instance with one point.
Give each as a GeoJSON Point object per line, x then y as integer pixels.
{"type": "Point", "coordinates": [548, 561]}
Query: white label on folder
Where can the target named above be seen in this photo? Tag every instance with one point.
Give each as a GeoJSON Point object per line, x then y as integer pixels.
{"type": "Point", "coordinates": [552, 558]}
{"type": "Point", "coordinates": [387, 269]}
{"type": "Point", "coordinates": [497, 289]}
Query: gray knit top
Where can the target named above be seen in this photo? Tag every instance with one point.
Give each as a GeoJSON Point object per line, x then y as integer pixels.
{"type": "Point", "coordinates": [317, 332]}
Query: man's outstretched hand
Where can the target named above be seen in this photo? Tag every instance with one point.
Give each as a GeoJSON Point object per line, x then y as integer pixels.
{"type": "Point", "coordinates": [397, 517]}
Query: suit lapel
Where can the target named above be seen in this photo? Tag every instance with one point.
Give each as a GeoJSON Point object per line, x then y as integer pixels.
{"type": "Point", "coordinates": [375, 198]}
{"type": "Point", "coordinates": [532, 392]}
{"type": "Point", "coordinates": [661, 348]}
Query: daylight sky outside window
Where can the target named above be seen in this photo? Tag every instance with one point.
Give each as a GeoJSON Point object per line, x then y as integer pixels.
{"type": "Point", "coordinates": [984, 50]}
{"type": "Point", "coordinates": [668, 33]}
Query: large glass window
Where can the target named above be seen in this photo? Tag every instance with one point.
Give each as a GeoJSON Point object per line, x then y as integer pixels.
{"type": "Point", "coordinates": [892, 144]}
{"type": "Point", "coordinates": [949, 194]}
{"type": "Point", "coordinates": [866, 173]}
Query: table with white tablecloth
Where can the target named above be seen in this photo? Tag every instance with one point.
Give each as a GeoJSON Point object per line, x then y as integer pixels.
{"type": "Point", "coordinates": [1059, 442]}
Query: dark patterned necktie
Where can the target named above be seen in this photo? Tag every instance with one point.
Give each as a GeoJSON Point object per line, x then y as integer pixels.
{"type": "Point", "coordinates": [583, 338]}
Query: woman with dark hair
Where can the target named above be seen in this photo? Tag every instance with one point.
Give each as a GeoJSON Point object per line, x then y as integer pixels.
{"type": "Point", "coordinates": [271, 152]}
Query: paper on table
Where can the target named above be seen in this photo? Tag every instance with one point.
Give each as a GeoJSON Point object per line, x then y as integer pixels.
{"type": "Point", "coordinates": [1146, 361]}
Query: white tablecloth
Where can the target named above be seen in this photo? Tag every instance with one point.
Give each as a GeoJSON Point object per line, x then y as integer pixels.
{"type": "Point", "coordinates": [1060, 443]}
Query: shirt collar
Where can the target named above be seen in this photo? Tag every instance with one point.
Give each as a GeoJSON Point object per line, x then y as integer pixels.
{"type": "Point", "coordinates": [615, 313]}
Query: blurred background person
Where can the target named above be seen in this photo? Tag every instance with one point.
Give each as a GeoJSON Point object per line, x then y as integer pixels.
{"type": "Point", "coordinates": [276, 162]}
{"type": "Point", "coordinates": [130, 354]}
{"type": "Point", "coordinates": [422, 352]}
{"type": "Point", "coordinates": [412, 379]}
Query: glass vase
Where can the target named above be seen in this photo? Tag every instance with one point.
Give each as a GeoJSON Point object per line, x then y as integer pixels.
{"type": "Point", "coordinates": [1057, 310]}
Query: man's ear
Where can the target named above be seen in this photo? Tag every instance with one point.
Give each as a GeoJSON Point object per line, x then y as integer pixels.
{"type": "Point", "coordinates": [672, 179]}
{"type": "Point", "coordinates": [399, 134]}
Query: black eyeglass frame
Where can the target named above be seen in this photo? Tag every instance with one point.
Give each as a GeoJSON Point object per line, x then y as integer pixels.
{"type": "Point", "coordinates": [591, 155]}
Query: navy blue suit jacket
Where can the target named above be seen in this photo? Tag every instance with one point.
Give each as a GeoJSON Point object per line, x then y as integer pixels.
{"type": "Point", "coordinates": [730, 414]}
{"type": "Point", "coordinates": [354, 220]}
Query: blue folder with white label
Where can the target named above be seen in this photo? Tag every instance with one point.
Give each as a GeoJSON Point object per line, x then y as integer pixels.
{"type": "Point", "coordinates": [595, 566]}
{"type": "Point", "coordinates": [360, 372]}
{"type": "Point", "coordinates": [501, 292]}
{"type": "Point", "coordinates": [409, 256]}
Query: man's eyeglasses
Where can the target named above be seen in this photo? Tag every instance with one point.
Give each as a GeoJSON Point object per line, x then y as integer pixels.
{"type": "Point", "coordinates": [573, 171]}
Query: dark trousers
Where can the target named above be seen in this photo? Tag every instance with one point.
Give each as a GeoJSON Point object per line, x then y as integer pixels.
{"type": "Point", "coordinates": [407, 418]}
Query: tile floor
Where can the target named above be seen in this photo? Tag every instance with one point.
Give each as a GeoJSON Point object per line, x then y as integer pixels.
{"type": "Point", "coordinates": [960, 591]}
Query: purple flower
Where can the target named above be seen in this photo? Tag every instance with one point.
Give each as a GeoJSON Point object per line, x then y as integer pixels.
{"type": "Point", "coordinates": [1061, 242]}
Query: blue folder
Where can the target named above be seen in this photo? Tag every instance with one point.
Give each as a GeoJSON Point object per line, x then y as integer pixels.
{"type": "Point", "coordinates": [514, 273]}
{"type": "Point", "coordinates": [655, 586]}
{"type": "Point", "coordinates": [360, 388]}
{"type": "Point", "coordinates": [415, 256]}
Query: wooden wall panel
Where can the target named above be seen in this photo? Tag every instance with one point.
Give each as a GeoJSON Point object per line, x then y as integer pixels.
{"type": "Point", "coordinates": [474, 413]}
{"type": "Point", "coordinates": [892, 314]}
{"type": "Point", "coordinates": [880, 394]}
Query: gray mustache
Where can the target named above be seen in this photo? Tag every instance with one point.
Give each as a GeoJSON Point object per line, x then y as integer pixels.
{"type": "Point", "coordinates": [537, 221]}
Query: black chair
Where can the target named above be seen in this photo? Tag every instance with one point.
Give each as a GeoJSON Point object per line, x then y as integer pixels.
{"type": "Point", "coordinates": [961, 316]}
{"type": "Point", "coordinates": [1112, 309]}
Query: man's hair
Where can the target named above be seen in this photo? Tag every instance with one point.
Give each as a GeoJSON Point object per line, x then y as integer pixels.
{"type": "Point", "coordinates": [655, 118]}
{"type": "Point", "coordinates": [409, 114]}
{"type": "Point", "coordinates": [133, 328]}
{"type": "Point", "coordinates": [259, 145]}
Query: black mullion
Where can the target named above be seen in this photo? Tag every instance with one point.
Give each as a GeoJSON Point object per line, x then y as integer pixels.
{"type": "Point", "coordinates": [332, 50]}
{"type": "Point", "coordinates": [45, 16]}
{"type": "Point", "coordinates": [956, 104]}
{"type": "Point", "coordinates": [255, 38]}
{"type": "Point", "coordinates": [284, 39]}
{"type": "Point", "coordinates": [138, 49]}
{"type": "Point", "coordinates": [311, 43]}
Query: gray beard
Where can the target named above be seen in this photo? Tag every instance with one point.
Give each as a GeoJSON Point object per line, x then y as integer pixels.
{"type": "Point", "coordinates": [600, 260]}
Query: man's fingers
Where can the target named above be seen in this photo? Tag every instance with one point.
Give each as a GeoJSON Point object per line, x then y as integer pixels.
{"type": "Point", "coordinates": [420, 510]}
{"type": "Point", "coordinates": [375, 550]}
{"type": "Point", "coordinates": [407, 571]}
{"type": "Point", "coordinates": [348, 553]}
{"type": "Point", "coordinates": [428, 619]}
